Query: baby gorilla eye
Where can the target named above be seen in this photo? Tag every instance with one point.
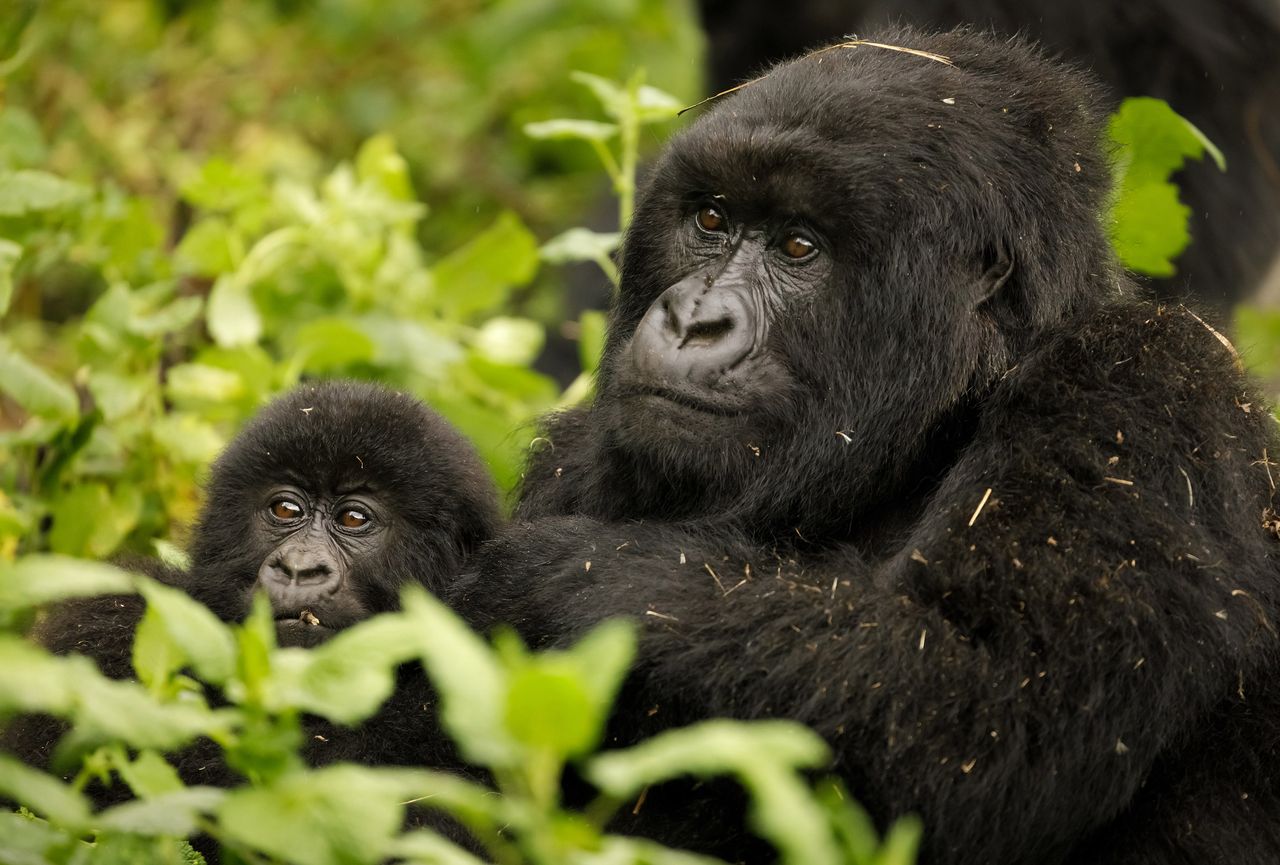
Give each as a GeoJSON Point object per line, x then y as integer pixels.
{"type": "Point", "coordinates": [286, 509]}
{"type": "Point", "coordinates": [797, 246]}
{"type": "Point", "coordinates": [353, 518]}
{"type": "Point", "coordinates": [710, 219]}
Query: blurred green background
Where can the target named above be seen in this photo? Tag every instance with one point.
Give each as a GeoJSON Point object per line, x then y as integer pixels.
{"type": "Point", "coordinates": [203, 202]}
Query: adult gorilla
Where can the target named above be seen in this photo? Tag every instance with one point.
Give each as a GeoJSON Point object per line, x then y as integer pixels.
{"type": "Point", "coordinates": [885, 443]}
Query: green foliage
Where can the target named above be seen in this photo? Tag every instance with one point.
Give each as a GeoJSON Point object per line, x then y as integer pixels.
{"type": "Point", "coordinates": [1148, 221]}
{"type": "Point", "coordinates": [276, 278]}
{"type": "Point", "coordinates": [630, 107]}
{"type": "Point", "coordinates": [525, 717]}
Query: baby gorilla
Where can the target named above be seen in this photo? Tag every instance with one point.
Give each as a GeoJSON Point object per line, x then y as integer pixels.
{"type": "Point", "coordinates": [331, 500]}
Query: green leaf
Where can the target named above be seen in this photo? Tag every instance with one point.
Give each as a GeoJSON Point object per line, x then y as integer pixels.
{"type": "Point", "coordinates": [232, 317]}
{"type": "Point", "coordinates": [379, 163]}
{"type": "Point", "coordinates": [855, 830]}
{"type": "Point", "coordinates": [155, 656]}
{"type": "Point", "coordinates": [36, 580]}
{"type": "Point", "coordinates": [149, 776]}
{"type": "Point", "coordinates": [618, 850]}
{"type": "Point", "coordinates": [1257, 335]}
{"type": "Point", "coordinates": [480, 275]}
{"type": "Point", "coordinates": [1148, 224]}
{"type": "Point", "coordinates": [331, 344]}
{"type": "Point", "coordinates": [603, 658]}
{"type": "Point", "coordinates": [512, 341]}
{"type": "Point", "coordinates": [118, 395]}
{"type": "Point", "coordinates": [109, 711]}
{"type": "Point", "coordinates": [428, 848]}
{"type": "Point", "coordinates": [549, 708]}
{"type": "Point", "coordinates": [348, 677]}
{"type": "Point", "coordinates": [1150, 228]}
{"type": "Point", "coordinates": [34, 389]}
{"type": "Point", "coordinates": [1156, 140]}
{"type": "Point", "coordinates": [167, 319]}
{"type": "Point", "coordinates": [654, 105]}
{"type": "Point", "coordinates": [171, 554]}
{"type": "Point", "coordinates": [223, 185]}
{"type": "Point", "coordinates": [212, 247]}
{"type": "Point", "coordinates": [592, 330]}
{"type": "Point", "coordinates": [706, 749]}
{"type": "Point", "coordinates": [577, 130]}
{"type": "Point", "coordinates": [24, 192]}
{"type": "Point", "coordinates": [902, 842]}
{"type": "Point", "coordinates": [784, 813]}
{"type": "Point", "coordinates": [21, 142]}
{"type": "Point", "coordinates": [10, 252]}
{"type": "Point", "coordinates": [334, 816]}
{"type": "Point", "coordinates": [28, 840]}
{"type": "Point", "coordinates": [188, 383]}
{"type": "Point", "coordinates": [173, 814]}
{"type": "Point", "coordinates": [32, 680]}
{"type": "Point", "coordinates": [205, 640]}
{"type": "Point", "coordinates": [581, 244]}
{"type": "Point", "coordinates": [765, 755]}
{"type": "Point", "coordinates": [89, 520]}
{"type": "Point", "coordinates": [612, 98]}
{"type": "Point", "coordinates": [43, 794]}
{"type": "Point", "coordinates": [187, 439]}
{"type": "Point", "coordinates": [471, 684]}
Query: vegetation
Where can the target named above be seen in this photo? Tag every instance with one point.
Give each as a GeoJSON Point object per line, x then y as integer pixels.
{"type": "Point", "coordinates": [203, 202]}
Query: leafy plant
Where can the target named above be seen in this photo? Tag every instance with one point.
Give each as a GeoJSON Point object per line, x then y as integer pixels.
{"type": "Point", "coordinates": [523, 717]}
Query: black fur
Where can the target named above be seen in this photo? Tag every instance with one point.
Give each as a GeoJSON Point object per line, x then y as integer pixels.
{"type": "Point", "coordinates": [433, 497]}
{"type": "Point", "coordinates": [1216, 61]}
{"type": "Point", "coordinates": [1006, 553]}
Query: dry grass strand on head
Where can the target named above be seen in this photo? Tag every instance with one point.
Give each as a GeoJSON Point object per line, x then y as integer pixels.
{"type": "Point", "coordinates": [851, 42]}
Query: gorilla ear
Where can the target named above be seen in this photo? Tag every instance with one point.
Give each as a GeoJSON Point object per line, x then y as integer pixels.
{"type": "Point", "coordinates": [995, 276]}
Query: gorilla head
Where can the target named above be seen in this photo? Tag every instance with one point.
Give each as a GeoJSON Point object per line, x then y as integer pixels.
{"type": "Point", "coordinates": [789, 276]}
{"type": "Point", "coordinates": [331, 499]}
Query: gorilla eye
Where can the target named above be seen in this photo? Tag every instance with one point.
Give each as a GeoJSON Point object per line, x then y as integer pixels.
{"type": "Point", "coordinates": [286, 509]}
{"type": "Point", "coordinates": [353, 518]}
{"type": "Point", "coordinates": [710, 219]}
{"type": "Point", "coordinates": [797, 246]}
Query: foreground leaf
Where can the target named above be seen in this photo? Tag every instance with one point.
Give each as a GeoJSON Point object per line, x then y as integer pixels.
{"type": "Point", "coordinates": [1148, 222]}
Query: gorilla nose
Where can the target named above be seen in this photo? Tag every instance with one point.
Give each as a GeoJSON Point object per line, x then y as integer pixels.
{"type": "Point", "coordinates": [298, 568]}
{"type": "Point", "coordinates": [694, 332]}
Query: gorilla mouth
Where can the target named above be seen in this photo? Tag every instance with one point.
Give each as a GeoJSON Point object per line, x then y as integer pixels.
{"type": "Point", "coordinates": [302, 619]}
{"type": "Point", "coordinates": [688, 401]}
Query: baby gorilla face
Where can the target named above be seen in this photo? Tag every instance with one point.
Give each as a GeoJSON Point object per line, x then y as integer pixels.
{"type": "Point", "coordinates": [331, 500]}
{"type": "Point", "coordinates": [321, 538]}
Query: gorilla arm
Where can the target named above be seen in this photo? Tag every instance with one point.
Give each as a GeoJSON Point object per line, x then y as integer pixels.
{"type": "Point", "coordinates": [1076, 595]}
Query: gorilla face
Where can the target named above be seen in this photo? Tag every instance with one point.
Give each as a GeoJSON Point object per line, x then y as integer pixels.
{"type": "Point", "coordinates": [819, 279]}
{"type": "Point", "coordinates": [332, 499]}
{"type": "Point", "coordinates": [700, 363]}
{"type": "Point", "coordinates": [320, 540]}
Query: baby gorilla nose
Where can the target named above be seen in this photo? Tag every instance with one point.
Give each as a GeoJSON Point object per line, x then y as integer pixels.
{"type": "Point", "coordinates": [295, 578]}
{"type": "Point", "coordinates": [693, 333]}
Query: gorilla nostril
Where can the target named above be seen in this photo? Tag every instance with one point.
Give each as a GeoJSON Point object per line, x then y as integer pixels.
{"type": "Point", "coordinates": [288, 570]}
{"type": "Point", "coordinates": [705, 333]}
